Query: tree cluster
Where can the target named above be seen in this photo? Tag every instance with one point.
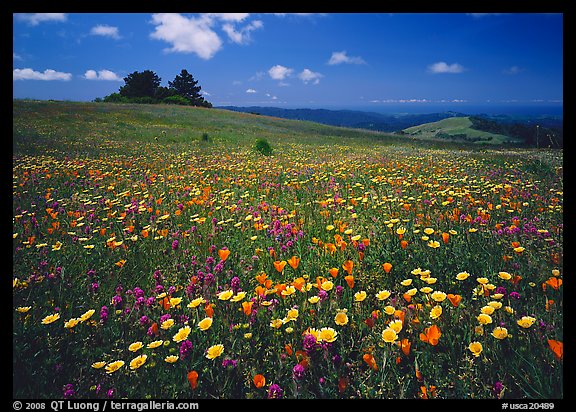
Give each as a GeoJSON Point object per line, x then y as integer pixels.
{"type": "Point", "coordinates": [144, 87]}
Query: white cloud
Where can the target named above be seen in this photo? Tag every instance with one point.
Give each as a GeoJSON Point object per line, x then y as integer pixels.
{"type": "Point", "coordinates": [35, 19]}
{"type": "Point", "coordinates": [16, 56]}
{"type": "Point", "coordinates": [241, 36]}
{"type": "Point", "coordinates": [513, 70]}
{"type": "Point", "coordinates": [279, 72]}
{"type": "Point", "coordinates": [187, 35]}
{"type": "Point", "coordinates": [235, 17]}
{"type": "Point", "coordinates": [250, 91]}
{"type": "Point", "coordinates": [105, 30]}
{"type": "Point", "coordinates": [101, 75]}
{"type": "Point", "coordinates": [48, 74]}
{"type": "Point", "coordinates": [308, 75]}
{"type": "Point", "coordinates": [442, 67]}
{"type": "Point", "coordinates": [342, 57]}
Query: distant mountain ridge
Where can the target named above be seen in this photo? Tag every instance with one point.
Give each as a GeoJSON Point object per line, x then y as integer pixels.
{"type": "Point", "coordinates": [349, 118]}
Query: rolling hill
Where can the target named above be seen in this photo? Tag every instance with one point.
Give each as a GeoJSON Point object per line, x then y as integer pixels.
{"type": "Point", "coordinates": [456, 129]}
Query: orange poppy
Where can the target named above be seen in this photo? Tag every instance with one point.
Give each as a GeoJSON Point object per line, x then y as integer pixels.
{"type": "Point", "coordinates": [445, 237]}
{"type": "Point", "coordinates": [342, 384]}
{"type": "Point", "coordinates": [405, 346]}
{"type": "Point", "coordinates": [404, 244]}
{"type": "Point", "coordinates": [557, 347]}
{"type": "Point", "coordinates": [299, 283]}
{"type": "Point", "coordinates": [387, 267]}
{"type": "Point", "coordinates": [193, 379]}
{"type": "Point", "coordinates": [330, 247]}
{"type": "Point", "coordinates": [553, 282]}
{"type": "Point", "coordinates": [209, 309]}
{"type": "Point", "coordinates": [333, 272]}
{"type": "Point", "coordinates": [294, 261]}
{"type": "Point", "coordinates": [259, 381]}
{"type": "Point", "coordinates": [399, 314]}
{"type": "Point", "coordinates": [279, 265]}
{"type": "Point", "coordinates": [261, 278]}
{"type": "Point", "coordinates": [369, 359]}
{"type": "Point", "coordinates": [350, 280]}
{"type": "Point", "coordinates": [165, 303]}
{"type": "Point", "coordinates": [272, 253]}
{"type": "Point", "coordinates": [154, 329]}
{"type": "Point", "coordinates": [454, 299]}
{"type": "Point", "coordinates": [120, 263]}
{"type": "Point", "coordinates": [223, 253]}
{"type": "Point", "coordinates": [347, 266]}
{"type": "Point", "coordinates": [431, 335]}
{"type": "Point", "coordinates": [144, 233]}
{"type": "Point", "coordinates": [407, 297]}
{"type": "Point", "coordinates": [302, 358]}
{"type": "Point", "coordinates": [288, 348]}
{"type": "Point", "coordinates": [247, 307]}
{"type": "Point", "coordinates": [424, 394]}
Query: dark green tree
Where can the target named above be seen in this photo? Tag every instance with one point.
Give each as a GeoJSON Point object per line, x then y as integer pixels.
{"type": "Point", "coordinates": [186, 86]}
{"type": "Point", "coordinates": [140, 84]}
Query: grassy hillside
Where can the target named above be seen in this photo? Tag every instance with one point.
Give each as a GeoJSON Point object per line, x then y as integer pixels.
{"type": "Point", "coordinates": [94, 126]}
{"type": "Point", "coordinates": [457, 129]}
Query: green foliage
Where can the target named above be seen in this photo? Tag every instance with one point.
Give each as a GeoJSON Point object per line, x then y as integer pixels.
{"type": "Point", "coordinates": [263, 146]}
{"type": "Point", "coordinates": [180, 100]}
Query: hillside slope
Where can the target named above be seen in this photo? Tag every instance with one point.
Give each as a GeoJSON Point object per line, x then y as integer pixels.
{"type": "Point", "coordinates": [457, 129]}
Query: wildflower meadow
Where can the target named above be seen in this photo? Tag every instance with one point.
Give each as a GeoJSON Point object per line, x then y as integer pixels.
{"type": "Point", "coordinates": [149, 262]}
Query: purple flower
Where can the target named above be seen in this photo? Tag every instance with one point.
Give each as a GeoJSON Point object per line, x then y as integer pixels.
{"type": "Point", "coordinates": [497, 389]}
{"type": "Point", "coordinates": [185, 348]}
{"type": "Point", "coordinates": [275, 391]}
{"type": "Point", "coordinates": [309, 343]}
{"type": "Point", "coordinates": [144, 320]}
{"type": "Point", "coordinates": [298, 371]}
{"type": "Point", "coordinates": [515, 295]}
{"type": "Point", "coordinates": [69, 391]}
{"type": "Point", "coordinates": [175, 244]}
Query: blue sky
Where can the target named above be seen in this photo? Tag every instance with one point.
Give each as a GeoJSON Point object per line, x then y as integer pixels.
{"type": "Point", "coordinates": [332, 60]}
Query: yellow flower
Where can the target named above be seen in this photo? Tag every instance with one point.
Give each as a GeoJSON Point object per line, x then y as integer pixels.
{"type": "Point", "coordinates": [509, 310]}
{"type": "Point", "coordinates": [406, 282]}
{"type": "Point", "coordinates": [327, 285]}
{"type": "Point", "coordinates": [71, 323]}
{"type": "Point", "coordinates": [462, 275]}
{"type": "Point", "coordinates": [411, 292]}
{"type": "Point", "coordinates": [23, 309]}
{"type": "Point", "coordinates": [426, 289]}
{"type": "Point", "coordinates": [429, 231]}
{"type": "Point", "coordinates": [395, 325]}
{"type": "Point", "coordinates": [182, 334]}
{"type": "Point", "coordinates": [359, 296]}
{"type": "Point", "coordinates": [154, 344]}
{"type": "Point", "coordinates": [98, 365]}
{"type": "Point", "coordinates": [288, 291]}
{"type": "Point", "coordinates": [429, 280]}
{"type": "Point", "coordinates": [175, 302]}
{"type": "Point", "coordinates": [138, 361]}
{"type": "Point", "coordinates": [225, 295]}
{"type": "Point", "coordinates": [482, 281]}
{"type": "Point", "coordinates": [238, 297]}
{"type": "Point", "coordinates": [475, 348]}
{"type": "Point", "coordinates": [484, 319]}
{"type": "Point", "coordinates": [383, 294]}
{"type": "Point", "coordinates": [276, 323]}
{"type": "Point", "coordinates": [292, 314]}
{"type": "Point", "coordinates": [330, 227]}
{"type": "Point", "coordinates": [314, 299]}
{"type": "Point", "coordinates": [135, 346]}
{"type": "Point", "coordinates": [167, 324]}
{"type": "Point", "coordinates": [389, 310]}
{"type": "Point", "coordinates": [214, 351]}
{"type": "Point", "coordinates": [205, 323]}
{"type": "Point", "coordinates": [328, 334]}
{"type": "Point", "coordinates": [438, 296]}
{"type": "Point", "coordinates": [436, 312]}
{"type": "Point", "coordinates": [50, 318]}
{"type": "Point", "coordinates": [389, 335]}
{"type": "Point", "coordinates": [488, 310]}
{"type": "Point", "coordinates": [479, 330]}
{"type": "Point", "coordinates": [526, 321]}
{"type": "Point", "coordinates": [505, 275]}
{"type": "Point", "coordinates": [494, 304]}
{"type": "Point", "coordinates": [87, 315]}
{"type": "Point", "coordinates": [500, 332]}
{"type": "Point", "coordinates": [341, 318]}
{"type": "Point", "coordinates": [434, 244]}
{"type": "Point", "coordinates": [196, 302]}
{"type": "Point", "coordinates": [114, 366]}
{"type": "Point", "coordinates": [171, 359]}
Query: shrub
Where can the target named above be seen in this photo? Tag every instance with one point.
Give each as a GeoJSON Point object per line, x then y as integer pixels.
{"type": "Point", "coordinates": [263, 147]}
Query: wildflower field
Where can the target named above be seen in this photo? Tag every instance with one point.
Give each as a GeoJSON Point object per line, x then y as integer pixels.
{"type": "Point", "coordinates": [149, 262]}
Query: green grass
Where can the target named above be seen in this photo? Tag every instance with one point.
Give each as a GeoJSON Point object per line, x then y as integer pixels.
{"type": "Point", "coordinates": [454, 126]}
